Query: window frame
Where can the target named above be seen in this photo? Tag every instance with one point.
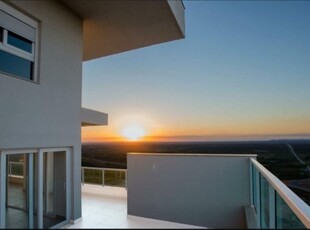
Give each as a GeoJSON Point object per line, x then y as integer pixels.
{"type": "Point", "coordinates": [15, 47]}
{"type": "Point", "coordinates": [11, 49]}
{"type": "Point", "coordinates": [5, 46]}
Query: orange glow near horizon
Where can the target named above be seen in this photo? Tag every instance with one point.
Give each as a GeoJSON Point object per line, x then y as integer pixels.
{"type": "Point", "coordinates": [220, 83]}
{"type": "Point", "coordinates": [142, 129]}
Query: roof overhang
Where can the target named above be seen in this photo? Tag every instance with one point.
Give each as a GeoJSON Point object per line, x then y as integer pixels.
{"type": "Point", "coordinates": [92, 117]}
{"type": "Point", "coordinates": [112, 27]}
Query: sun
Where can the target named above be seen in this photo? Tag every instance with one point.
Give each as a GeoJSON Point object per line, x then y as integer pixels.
{"type": "Point", "coordinates": [133, 133]}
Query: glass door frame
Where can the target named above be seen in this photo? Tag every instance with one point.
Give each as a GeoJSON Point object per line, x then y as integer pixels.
{"type": "Point", "coordinates": [40, 178]}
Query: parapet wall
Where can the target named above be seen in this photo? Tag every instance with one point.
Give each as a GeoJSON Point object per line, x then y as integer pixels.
{"type": "Point", "coordinates": [198, 189]}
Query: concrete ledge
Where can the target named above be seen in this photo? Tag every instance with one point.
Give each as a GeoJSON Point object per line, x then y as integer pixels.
{"type": "Point", "coordinates": [112, 27]}
{"type": "Point", "coordinates": [194, 154]}
{"type": "Point", "coordinates": [91, 117]}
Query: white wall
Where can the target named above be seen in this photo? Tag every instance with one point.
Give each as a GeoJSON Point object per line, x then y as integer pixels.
{"type": "Point", "coordinates": [203, 190]}
{"type": "Point", "coordinates": [48, 114]}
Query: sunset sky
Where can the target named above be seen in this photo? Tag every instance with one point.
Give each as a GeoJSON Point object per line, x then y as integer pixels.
{"type": "Point", "coordinates": [241, 73]}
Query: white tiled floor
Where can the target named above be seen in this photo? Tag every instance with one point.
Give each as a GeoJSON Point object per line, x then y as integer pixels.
{"type": "Point", "coordinates": [106, 207]}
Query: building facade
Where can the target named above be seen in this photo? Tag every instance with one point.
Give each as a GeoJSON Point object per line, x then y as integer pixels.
{"type": "Point", "coordinates": [42, 47]}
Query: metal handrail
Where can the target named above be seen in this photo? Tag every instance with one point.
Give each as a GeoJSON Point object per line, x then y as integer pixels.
{"type": "Point", "coordinates": [103, 170]}
{"type": "Point", "coordinates": [106, 169]}
{"type": "Point", "coordinates": [296, 204]}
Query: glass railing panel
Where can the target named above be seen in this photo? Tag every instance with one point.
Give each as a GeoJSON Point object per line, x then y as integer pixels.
{"type": "Point", "coordinates": [285, 217]}
{"type": "Point", "coordinates": [287, 211]}
{"type": "Point", "coordinates": [17, 169]}
{"type": "Point", "coordinates": [104, 176]}
{"type": "Point", "coordinates": [264, 202]}
{"type": "Point", "coordinates": [93, 176]}
{"type": "Point", "coordinates": [114, 178]}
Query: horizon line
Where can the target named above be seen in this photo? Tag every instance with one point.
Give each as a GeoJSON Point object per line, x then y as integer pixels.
{"type": "Point", "coordinates": [208, 139]}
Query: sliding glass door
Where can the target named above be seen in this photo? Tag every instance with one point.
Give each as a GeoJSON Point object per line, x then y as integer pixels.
{"type": "Point", "coordinates": [20, 191]}
{"type": "Point", "coordinates": [34, 189]}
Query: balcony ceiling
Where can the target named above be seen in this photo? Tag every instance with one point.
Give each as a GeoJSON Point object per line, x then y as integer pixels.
{"type": "Point", "coordinates": [112, 27]}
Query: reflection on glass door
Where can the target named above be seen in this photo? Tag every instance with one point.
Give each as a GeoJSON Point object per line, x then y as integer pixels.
{"type": "Point", "coordinates": [54, 188]}
{"type": "Point", "coordinates": [19, 191]}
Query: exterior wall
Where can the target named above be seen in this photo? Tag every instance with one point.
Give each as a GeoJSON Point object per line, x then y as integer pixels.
{"type": "Point", "coordinates": [203, 190]}
{"type": "Point", "coordinates": [48, 113]}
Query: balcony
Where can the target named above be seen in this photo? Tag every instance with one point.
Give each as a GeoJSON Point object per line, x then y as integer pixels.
{"type": "Point", "coordinates": [204, 190]}
{"type": "Point", "coordinates": [185, 191]}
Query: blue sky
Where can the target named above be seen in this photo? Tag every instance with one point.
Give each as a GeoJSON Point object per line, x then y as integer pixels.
{"type": "Point", "coordinates": [243, 70]}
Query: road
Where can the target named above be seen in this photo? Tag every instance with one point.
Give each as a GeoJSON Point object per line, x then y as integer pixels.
{"type": "Point", "coordinates": [292, 151]}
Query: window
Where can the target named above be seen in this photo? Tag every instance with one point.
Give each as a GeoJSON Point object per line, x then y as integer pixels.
{"type": "Point", "coordinates": [18, 44]}
{"type": "Point", "coordinates": [15, 65]}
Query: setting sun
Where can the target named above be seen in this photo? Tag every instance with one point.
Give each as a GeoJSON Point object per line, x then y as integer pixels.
{"type": "Point", "coordinates": [133, 133]}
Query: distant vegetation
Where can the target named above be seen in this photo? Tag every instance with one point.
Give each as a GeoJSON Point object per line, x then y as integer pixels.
{"type": "Point", "coordinates": [274, 155]}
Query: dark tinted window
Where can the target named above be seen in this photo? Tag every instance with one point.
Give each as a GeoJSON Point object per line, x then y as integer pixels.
{"type": "Point", "coordinates": [19, 42]}
{"type": "Point", "coordinates": [14, 65]}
